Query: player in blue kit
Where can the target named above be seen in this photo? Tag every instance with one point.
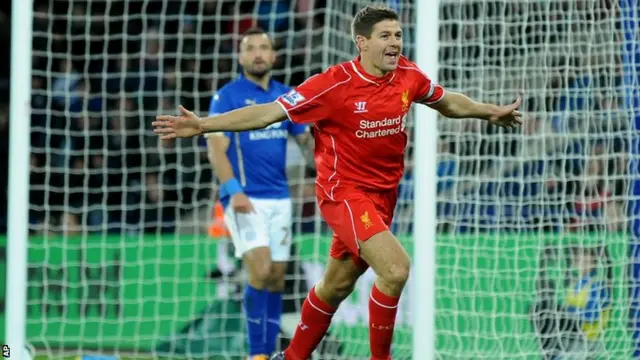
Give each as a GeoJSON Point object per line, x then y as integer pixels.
{"type": "Point", "coordinates": [251, 169]}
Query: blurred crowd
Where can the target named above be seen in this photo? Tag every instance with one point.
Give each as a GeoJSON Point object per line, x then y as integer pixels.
{"type": "Point", "coordinates": [565, 170]}
{"type": "Point", "coordinates": [103, 69]}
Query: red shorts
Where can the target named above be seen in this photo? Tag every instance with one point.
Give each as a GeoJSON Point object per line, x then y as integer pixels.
{"type": "Point", "coordinates": [356, 215]}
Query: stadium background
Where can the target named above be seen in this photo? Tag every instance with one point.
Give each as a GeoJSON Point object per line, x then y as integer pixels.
{"type": "Point", "coordinates": [119, 253]}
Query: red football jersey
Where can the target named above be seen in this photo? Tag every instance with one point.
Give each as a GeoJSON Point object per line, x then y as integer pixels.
{"type": "Point", "coordinates": [359, 122]}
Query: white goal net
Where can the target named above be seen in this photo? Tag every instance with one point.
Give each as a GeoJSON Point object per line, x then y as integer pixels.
{"type": "Point", "coordinates": [126, 256]}
{"type": "Point", "coordinates": [535, 255]}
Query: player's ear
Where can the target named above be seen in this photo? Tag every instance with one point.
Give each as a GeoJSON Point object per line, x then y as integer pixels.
{"type": "Point", "coordinates": [361, 43]}
{"type": "Point", "coordinates": [273, 55]}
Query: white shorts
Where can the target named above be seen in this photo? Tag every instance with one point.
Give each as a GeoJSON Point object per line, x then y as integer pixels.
{"type": "Point", "coordinates": [269, 226]}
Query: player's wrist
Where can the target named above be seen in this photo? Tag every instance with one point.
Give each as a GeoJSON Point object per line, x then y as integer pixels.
{"type": "Point", "coordinates": [201, 127]}
{"type": "Point", "coordinates": [230, 188]}
{"type": "Point", "coordinates": [490, 112]}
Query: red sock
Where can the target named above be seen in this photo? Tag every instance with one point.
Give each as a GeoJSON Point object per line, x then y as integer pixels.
{"type": "Point", "coordinates": [314, 323]}
{"type": "Point", "coordinates": [382, 318]}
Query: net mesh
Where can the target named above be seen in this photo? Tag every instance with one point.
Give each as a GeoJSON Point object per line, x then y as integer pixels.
{"type": "Point", "coordinates": [544, 208]}
{"type": "Point", "coordinates": [121, 257]}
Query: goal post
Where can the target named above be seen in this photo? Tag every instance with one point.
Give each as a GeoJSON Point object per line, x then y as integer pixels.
{"type": "Point", "coordinates": [20, 151]}
{"type": "Point", "coordinates": [425, 159]}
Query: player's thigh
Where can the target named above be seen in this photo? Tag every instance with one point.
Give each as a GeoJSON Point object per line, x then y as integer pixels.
{"type": "Point", "coordinates": [386, 256]}
{"type": "Point", "coordinates": [339, 278]}
{"type": "Point", "coordinates": [339, 251]}
{"type": "Point", "coordinates": [280, 237]}
{"type": "Point", "coordinates": [248, 232]}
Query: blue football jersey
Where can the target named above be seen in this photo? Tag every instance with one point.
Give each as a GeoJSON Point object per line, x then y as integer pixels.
{"type": "Point", "coordinates": [258, 157]}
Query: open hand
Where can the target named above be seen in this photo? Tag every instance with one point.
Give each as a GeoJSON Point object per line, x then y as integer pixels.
{"type": "Point", "coordinates": [170, 127]}
{"type": "Point", "coordinates": [508, 116]}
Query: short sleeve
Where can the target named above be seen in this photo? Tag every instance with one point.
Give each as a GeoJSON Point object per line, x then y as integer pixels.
{"type": "Point", "coordinates": [428, 92]}
{"type": "Point", "coordinates": [312, 101]}
{"type": "Point", "coordinates": [220, 104]}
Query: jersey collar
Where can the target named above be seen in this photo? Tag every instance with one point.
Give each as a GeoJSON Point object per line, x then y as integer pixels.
{"type": "Point", "coordinates": [377, 80]}
{"type": "Point", "coordinates": [251, 83]}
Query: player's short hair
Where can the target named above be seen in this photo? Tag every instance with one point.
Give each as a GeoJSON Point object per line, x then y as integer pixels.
{"type": "Point", "coordinates": [256, 31]}
{"type": "Point", "coordinates": [366, 18]}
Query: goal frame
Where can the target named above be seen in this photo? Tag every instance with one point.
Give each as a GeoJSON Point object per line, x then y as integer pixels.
{"type": "Point", "coordinates": [425, 158]}
{"type": "Point", "coordinates": [20, 150]}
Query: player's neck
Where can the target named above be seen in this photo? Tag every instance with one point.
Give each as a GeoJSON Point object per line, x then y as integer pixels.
{"type": "Point", "coordinates": [371, 69]}
{"type": "Point", "coordinates": [263, 82]}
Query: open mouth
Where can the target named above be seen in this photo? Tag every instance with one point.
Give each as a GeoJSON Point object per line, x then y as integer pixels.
{"type": "Point", "coordinates": [392, 55]}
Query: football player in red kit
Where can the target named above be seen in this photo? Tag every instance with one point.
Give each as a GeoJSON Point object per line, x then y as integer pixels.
{"type": "Point", "coordinates": [358, 109]}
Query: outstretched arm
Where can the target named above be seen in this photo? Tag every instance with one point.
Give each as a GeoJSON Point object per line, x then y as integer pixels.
{"type": "Point", "coordinates": [247, 118]}
{"type": "Point", "coordinates": [457, 106]}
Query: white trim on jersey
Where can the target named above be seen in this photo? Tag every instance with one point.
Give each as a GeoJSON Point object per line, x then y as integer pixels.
{"type": "Point", "coordinates": [335, 165]}
{"type": "Point", "coordinates": [353, 225]}
{"type": "Point", "coordinates": [242, 174]}
{"type": "Point", "coordinates": [323, 92]}
{"type": "Point", "coordinates": [353, 65]}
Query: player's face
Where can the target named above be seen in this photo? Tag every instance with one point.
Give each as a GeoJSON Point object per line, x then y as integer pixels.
{"type": "Point", "coordinates": [385, 45]}
{"type": "Point", "coordinates": [257, 55]}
